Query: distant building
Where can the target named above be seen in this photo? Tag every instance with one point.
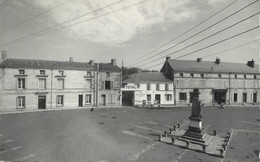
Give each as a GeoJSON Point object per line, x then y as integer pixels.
{"type": "Point", "coordinates": [218, 82]}
{"type": "Point", "coordinates": [38, 84]}
{"type": "Point", "coordinates": [147, 89]}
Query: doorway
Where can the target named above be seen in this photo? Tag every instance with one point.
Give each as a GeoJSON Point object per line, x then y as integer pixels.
{"type": "Point", "coordinates": [158, 98]}
{"type": "Point", "coordinates": [127, 98]}
{"type": "Point", "coordinates": [220, 97]}
{"type": "Point", "coordinates": [80, 100]}
{"type": "Point", "coordinates": [103, 99]}
{"type": "Point", "coordinates": [41, 102]}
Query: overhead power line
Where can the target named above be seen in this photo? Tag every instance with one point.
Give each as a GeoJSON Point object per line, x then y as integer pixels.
{"type": "Point", "coordinates": [33, 17]}
{"type": "Point", "coordinates": [186, 31]}
{"type": "Point", "coordinates": [41, 32]}
{"type": "Point", "coordinates": [6, 3]}
{"type": "Point", "coordinates": [156, 54]}
{"type": "Point", "coordinates": [244, 32]}
{"type": "Point", "coordinates": [222, 30]}
{"type": "Point", "coordinates": [241, 45]}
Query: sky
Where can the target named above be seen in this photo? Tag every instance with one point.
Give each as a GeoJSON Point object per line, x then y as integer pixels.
{"type": "Point", "coordinates": [127, 30]}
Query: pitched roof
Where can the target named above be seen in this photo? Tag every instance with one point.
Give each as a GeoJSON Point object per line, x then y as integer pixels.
{"type": "Point", "coordinates": [103, 67]}
{"type": "Point", "coordinates": [146, 77]}
{"type": "Point", "coordinates": [212, 67]}
{"type": "Point", "coordinates": [44, 64]}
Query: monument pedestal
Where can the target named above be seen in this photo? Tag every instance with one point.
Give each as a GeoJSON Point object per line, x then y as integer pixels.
{"type": "Point", "coordinates": [195, 133]}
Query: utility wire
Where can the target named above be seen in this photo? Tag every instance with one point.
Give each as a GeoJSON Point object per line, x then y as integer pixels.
{"type": "Point", "coordinates": [33, 17]}
{"type": "Point", "coordinates": [186, 31]}
{"type": "Point", "coordinates": [231, 48]}
{"type": "Point", "coordinates": [197, 32]}
{"type": "Point", "coordinates": [32, 35]}
{"type": "Point", "coordinates": [6, 3]}
{"type": "Point", "coordinates": [244, 32]}
{"type": "Point", "coordinates": [207, 37]}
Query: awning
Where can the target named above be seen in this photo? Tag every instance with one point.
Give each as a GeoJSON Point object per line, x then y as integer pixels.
{"type": "Point", "coordinates": [219, 90]}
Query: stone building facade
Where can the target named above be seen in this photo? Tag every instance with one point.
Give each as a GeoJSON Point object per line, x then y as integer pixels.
{"type": "Point", "coordinates": [39, 84]}
{"type": "Point", "coordinates": [218, 82]}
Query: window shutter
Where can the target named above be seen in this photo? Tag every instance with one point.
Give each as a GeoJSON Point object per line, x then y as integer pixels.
{"type": "Point", "coordinates": [102, 85]}
{"type": "Point", "coordinates": [23, 83]}
{"type": "Point", "coordinates": [112, 85]}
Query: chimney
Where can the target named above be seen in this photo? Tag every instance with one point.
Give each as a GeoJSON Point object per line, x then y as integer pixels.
{"type": "Point", "coordinates": [199, 59]}
{"type": "Point", "coordinates": [113, 62]}
{"type": "Point", "coordinates": [71, 59]}
{"type": "Point", "coordinates": [217, 61]}
{"type": "Point", "coordinates": [251, 63]}
{"type": "Point", "coordinates": [168, 58]}
{"type": "Point", "coordinates": [3, 55]}
{"type": "Point", "coordinates": [91, 62]}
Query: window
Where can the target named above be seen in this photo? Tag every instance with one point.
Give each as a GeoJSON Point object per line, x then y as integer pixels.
{"type": "Point", "coordinates": [42, 72]}
{"type": "Point", "coordinates": [181, 75]}
{"type": "Point", "coordinates": [21, 71]}
{"type": "Point", "coordinates": [202, 75]}
{"type": "Point", "coordinates": [138, 85]}
{"type": "Point", "coordinates": [60, 83]}
{"type": "Point", "coordinates": [245, 76]}
{"type": "Point", "coordinates": [166, 87]}
{"type": "Point", "coordinates": [254, 97]}
{"type": "Point", "coordinates": [191, 75]}
{"type": "Point", "coordinates": [88, 73]}
{"type": "Point", "coordinates": [235, 97]}
{"type": "Point", "coordinates": [244, 97]}
{"type": "Point", "coordinates": [60, 100]}
{"type": "Point", "coordinates": [148, 86]}
{"type": "Point", "coordinates": [88, 99]}
{"type": "Point", "coordinates": [108, 85]}
{"type": "Point", "coordinates": [219, 75]}
{"type": "Point", "coordinates": [88, 84]}
{"type": "Point", "coordinates": [61, 72]}
{"type": "Point", "coordinates": [149, 97]}
{"type": "Point", "coordinates": [254, 76]}
{"type": "Point", "coordinates": [107, 74]}
{"type": "Point", "coordinates": [182, 96]}
{"type": "Point", "coordinates": [235, 76]}
{"type": "Point", "coordinates": [168, 97]}
{"type": "Point", "coordinates": [21, 83]}
{"type": "Point", "coordinates": [157, 87]}
{"type": "Point", "coordinates": [21, 102]}
{"type": "Point", "coordinates": [42, 83]}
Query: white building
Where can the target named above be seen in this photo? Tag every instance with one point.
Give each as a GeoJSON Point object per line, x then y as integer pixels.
{"type": "Point", "coordinates": [147, 89]}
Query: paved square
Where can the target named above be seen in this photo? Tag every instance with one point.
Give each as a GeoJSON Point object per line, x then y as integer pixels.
{"type": "Point", "coordinates": [122, 134]}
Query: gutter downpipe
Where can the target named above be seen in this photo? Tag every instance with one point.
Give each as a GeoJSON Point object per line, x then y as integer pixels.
{"type": "Point", "coordinates": [97, 85]}
{"type": "Point", "coordinates": [51, 86]}
{"type": "Point", "coordinates": [229, 88]}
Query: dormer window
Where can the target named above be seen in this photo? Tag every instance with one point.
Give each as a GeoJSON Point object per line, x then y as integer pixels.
{"type": "Point", "coordinates": [42, 72]}
{"type": "Point", "coordinates": [61, 72]}
{"type": "Point", "coordinates": [21, 71]}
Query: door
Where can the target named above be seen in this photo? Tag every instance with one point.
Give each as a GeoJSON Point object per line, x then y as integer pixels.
{"type": "Point", "coordinates": [80, 100]}
{"type": "Point", "coordinates": [220, 97]}
{"type": "Point", "coordinates": [41, 102]}
{"type": "Point", "coordinates": [103, 100]}
{"type": "Point", "coordinates": [158, 98]}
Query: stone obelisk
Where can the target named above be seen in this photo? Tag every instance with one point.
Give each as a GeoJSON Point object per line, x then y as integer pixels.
{"type": "Point", "coordinates": [194, 132]}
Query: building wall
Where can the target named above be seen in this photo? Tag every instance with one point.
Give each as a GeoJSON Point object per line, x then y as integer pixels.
{"type": "Point", "coordinates": [74, 84]}
{"type": "Point", "coordinates": [206, 84]}
{"type": "Point", "coordinates": [111, 96]}
{"type": "Point", "coordinates": [140, 94]}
